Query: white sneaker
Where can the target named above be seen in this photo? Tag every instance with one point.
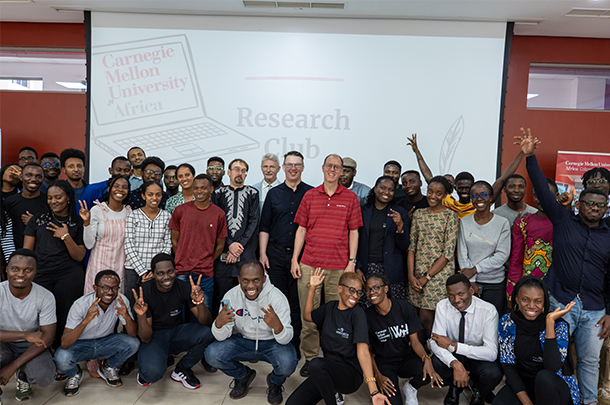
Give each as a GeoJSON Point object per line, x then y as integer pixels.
{"type": "Point", "coordinates": [410, 394]}
{"type": "Point", "coordinates": [339, 398]}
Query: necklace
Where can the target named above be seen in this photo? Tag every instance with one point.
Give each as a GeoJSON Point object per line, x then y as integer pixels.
{"type": "Point", "coordinates": [61, 222]}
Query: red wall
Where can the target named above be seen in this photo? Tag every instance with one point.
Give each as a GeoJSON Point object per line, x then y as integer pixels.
{"type": "Point", "coordinates": [558, 130]}
{"type": "Point", "coordinates": [49, 122]}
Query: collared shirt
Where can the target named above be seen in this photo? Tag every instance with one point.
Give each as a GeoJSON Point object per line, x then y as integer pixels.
{"type": "Point", "coordinates": [136, 201]}
{"type": "Point", "coordinates": [145, 238]}
{"type": "Point", "coordinates": [480, 330]}
{"type": "Point", "coordinates": [279, 211]}
{"type": "Point", "coordinates": [328, 220]}
{"type": "Point", "coordinates": [135, 182]}
{"type": "Point", "coordinates": [265, 187]}
{"type": "Point", "coordinates": [581, 254]}
{"type": "Point", "coordinates": [103, 324]}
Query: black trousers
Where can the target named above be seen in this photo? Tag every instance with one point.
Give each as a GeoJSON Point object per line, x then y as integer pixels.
{"type": "Point", "coordinates": [495, 294]}
{"type": "Point", "coordinates": [280, 276]}
{"type": "Point", "coordinates": [326, 376]}
{"type": "Point", "coordinates": [404, 367]}
{"type": "Point", "coordinates": [547, 389]}
{"type": "Point", "coordinates": [485, 375]}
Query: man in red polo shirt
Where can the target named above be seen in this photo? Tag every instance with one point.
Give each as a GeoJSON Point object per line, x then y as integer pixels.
{"type": "Point", "coordinates": [328, 218]}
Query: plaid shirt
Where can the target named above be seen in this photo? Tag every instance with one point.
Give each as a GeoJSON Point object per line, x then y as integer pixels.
{"type": "Point", "coordinates": [145, 238]}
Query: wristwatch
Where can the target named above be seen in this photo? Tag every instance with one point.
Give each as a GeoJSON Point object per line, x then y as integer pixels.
{"type": "Point", "coordinates": [353, 261]}
{"type": "Point", "coordinates": [428, 276]}
{"type": "Point", "coordinates": [451, 348]}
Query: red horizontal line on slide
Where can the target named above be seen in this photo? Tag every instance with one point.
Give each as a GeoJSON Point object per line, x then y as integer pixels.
{"type": "Point", "coordinates": [319, 79]}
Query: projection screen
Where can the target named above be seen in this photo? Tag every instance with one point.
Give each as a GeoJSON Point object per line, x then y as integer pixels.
{"type": "Point", "coordinates": [186, 88]}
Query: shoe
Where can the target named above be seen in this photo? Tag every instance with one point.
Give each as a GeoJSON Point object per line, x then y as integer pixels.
{"type": "Point", "coordinates": [207, 367]}
{"type": "Point", "coordinates": [72, 385]}
{"type": "Point", "coordinates": [141, 382]}
{"type": "Point", "coordinates": [274, 392]}
{"type": "Point", "coordinates": [453, 396]}
{"type": "Point", "coordinates": [109, 374]}
{"type": "Point", "coordinates": [24, 389]}
{"type": "Point", "coordinates": [127, 368]}
{"type": "Point", "coordinates": [186, 377]}
{"type": "Point", "coordinates": [410, 394]}
{"type": "Point", "coordinates": [240, 387]}
{"type": "Point", "coordinates": [339, 398]}
{"type": "Point", "coordinates": [305, 369]}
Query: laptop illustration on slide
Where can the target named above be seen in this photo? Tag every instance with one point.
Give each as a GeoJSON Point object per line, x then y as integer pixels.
{"type": "Point", "coordinates": [147, 95]}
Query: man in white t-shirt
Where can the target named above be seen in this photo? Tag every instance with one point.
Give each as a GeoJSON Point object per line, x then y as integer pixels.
{"type": "Point", "coordinates": [27, 327]}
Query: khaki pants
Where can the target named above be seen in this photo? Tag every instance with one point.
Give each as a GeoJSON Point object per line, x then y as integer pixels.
{"type": "Point", "coordinates": [310, 339]}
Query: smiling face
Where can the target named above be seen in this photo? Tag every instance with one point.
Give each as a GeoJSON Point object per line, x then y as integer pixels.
{"type": "Point", "coordinates": [460, 295]}
{"type": "Point", "coordinates": [411, 184]}
{"type": "Point", "coordinates": [530, 301]}
{"type": "Point", "coordinates": [345, 297]}
{"type": "Point", "coordinates": [270, 170]}
{"type": "Point", "coordinates": [332, 169]}
{"type": "Point", "coordinates": [32, 178]}
{"type": "Point", "coordinates": [481, 204]}
{"type": "Point", "coordinates": [515, 189]}
{"type": "Point", "coordinates": [111, 284]}
{"type": "Point", "coordinates": [136, 156]}
{"type": "Point", "coordinates": [51, 167]}
{"type": "Point", "coordinates": [592, 208]}
{"type": "Point", "coordinates": [251, 280]}
{"type": "Point", "coordinates": [392, 171]}
{"type": "Point", "coordinates": [185, 178]}
{"type": "Point", "coordinates": [12, 175]}
{"type": "Point", "coordinates": [435, 194]}
{"type": "Point", "coordinates": [121, 167]}
{"type": "Point", "coordinates": [74, 168]}
{"type": "Point", "coordinates": [58, 201]}
{"type": "Point", "coordinates": [384, 191]}
{"type": "Point", "coordinates": [119, 190]}
{"type": "Point", "coordinates": [202, 189]}
{"type": "Point", "coordinates": [152, 196]}
{"type": "Point", "coordinates": [20, 272]}
{"type": "Point", "coordinates": [152, 172]}
{"type": "Point", "coordinates": [293, 168]}
{"type": "Point", "coordinates": [463, 189]}
{"type": "Point", "coordinates": [376, 291]}
{"type": "Point", "coordinates": [165, 275]}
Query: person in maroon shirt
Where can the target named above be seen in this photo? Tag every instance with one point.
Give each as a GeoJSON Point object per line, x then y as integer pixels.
{"type": "Point", "coordinates": [328, 218]}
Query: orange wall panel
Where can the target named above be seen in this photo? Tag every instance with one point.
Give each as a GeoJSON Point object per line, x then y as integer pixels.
{"type": "Point", "coordinates": [42, 35]}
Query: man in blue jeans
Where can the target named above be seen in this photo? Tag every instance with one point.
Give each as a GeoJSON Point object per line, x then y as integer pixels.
{"type": "Point", "coordinates": [89, 333]}
{"type": "Point", "coordinates": [578, 272]}
{"type": "Point", "coordinates": [160, 327]}
{"type": "Point", "coordinates": [253, 325]}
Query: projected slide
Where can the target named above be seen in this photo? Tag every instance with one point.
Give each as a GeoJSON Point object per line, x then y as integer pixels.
{"type": "Point", "coordinates": [188, 88]}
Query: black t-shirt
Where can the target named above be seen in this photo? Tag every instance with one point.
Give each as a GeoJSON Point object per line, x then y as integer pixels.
{"type": "Point", "coordinates": [389, 334]}
{"type": "Point", "coordinates": [16, 206]}
{"type": "Point", "coordinates": [340, 331]}
{"type": "Point", "coordinates": [377, 234]}
{"type": "Point", "coordinates": [529, 355]}
{"type": "Point", "coordinates": [52, 252]}
{"type": "Point", "coordinates": [404, 203]}
{"type": "Point", "coordinates": [165, 308]}
{"type": "Point", "coordinates": [7, 194]}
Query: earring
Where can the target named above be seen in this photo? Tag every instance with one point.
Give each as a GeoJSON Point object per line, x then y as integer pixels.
{"type": "Point", "coordinates": [516, 307]}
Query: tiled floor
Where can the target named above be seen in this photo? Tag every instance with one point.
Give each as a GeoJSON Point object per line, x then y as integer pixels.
{"type": "Point", "coordinates": [214, 391]}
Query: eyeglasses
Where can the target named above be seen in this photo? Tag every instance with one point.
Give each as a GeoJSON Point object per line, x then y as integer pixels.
{"type": "Point", "coordinates": [329, 166]}
{"type": "Point", "coordinates": [374, 288]}
{"type": "Point", "coordinates": [105, 288]}
{"type": "Point", "coordinates": [48, 165]}
{"type": "Point", "coordinates": [482, 195]}
{"type": "Point", "coordinates": [291, 165]}
{"type": "Point", "coordinates": [151, 172]}
{"type": "Point", "coordinates": [215, 168]}
{"type": "Point", "coordinates": [27, 159]}
{"type": "Point", "coordinates": [353, 291]}
{"type": "Point", "coordinates": [592, 182]}
{"type": "Point", "coordinates": [242, 171]}
{"type": "Point", "coordinates": [592, 204]}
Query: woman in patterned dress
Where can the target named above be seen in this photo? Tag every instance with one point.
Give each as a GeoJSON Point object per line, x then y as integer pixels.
{"type": "Point", "coordinates": [430, 259]}
{"type": "Point", "coordinates": [534, 350]}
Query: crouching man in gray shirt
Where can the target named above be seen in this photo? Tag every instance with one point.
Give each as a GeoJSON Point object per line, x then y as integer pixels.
{"type": "Point", "coordinates": [27, 327]}
{"type": "Point", "coordinates": [89, 333]}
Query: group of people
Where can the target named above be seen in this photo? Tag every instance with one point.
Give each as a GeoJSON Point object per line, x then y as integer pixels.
{"type": "Point", "coordinates": [388, 282]}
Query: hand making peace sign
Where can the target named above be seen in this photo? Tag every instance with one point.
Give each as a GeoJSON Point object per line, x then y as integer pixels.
{"type": "Point", "coordinates": [84, 212]}
{"type": "Point", "coordinates": [196, 291]}
{"type": "Point", "coordinates": [140, 307]}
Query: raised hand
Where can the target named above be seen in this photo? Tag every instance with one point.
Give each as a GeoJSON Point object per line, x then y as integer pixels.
{"type": "Point", "coordinates": [122, 309]}
{"type": "Point", "coordinates": [84, 212]}
{"type": "Point", "coordinates": [271, 319]}
{"type": "Point", "coordinates": [397, 219]}
{"type": "Point", "coordinates": [558, 313]}
{"type": "Point", "coordinates": [566, 198]}
{"type": "Point", "coordinates": [317, 277]}
{"type": "Point", "coordinates": [412, 142]}
{"type": "Point", "coordinates": [93, 312]}
{"type": "Point", "coordinates": [527, 142]}
{"type": "Point", "coordinates": [38, 338]}
{"type": "Point", "coordinates": [140, 307]}
{"type": "Point", "coordinates": [58, 231]}
{"type": "Point", "coordinates": [196, 291]}
{"type": "Point", "coordinates": [225, 316]}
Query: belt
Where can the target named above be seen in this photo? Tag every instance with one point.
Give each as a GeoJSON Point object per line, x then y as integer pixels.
{"type": "Point", "coordinates": [282, 248]}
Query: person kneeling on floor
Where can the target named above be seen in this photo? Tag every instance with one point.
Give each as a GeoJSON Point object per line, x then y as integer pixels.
{"type": "Point", "coordinates": [160, 327]}
{"type": "Point", "coordinates": [89, 333]}
{"type": "Point", "coordinates": [253, 324]}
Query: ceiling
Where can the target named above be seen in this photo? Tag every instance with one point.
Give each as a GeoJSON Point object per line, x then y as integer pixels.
{"type": "Point", "coordinates": [549, 14]}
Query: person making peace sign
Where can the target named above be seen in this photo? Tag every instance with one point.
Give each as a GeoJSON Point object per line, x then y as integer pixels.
{"type": "Point", "coordinates": [158, 308]}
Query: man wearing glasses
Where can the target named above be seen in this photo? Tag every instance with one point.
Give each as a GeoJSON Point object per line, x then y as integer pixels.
{"type": "Point", "coordinates": [152, 170]}
{"type": "Point", "coordinates": [27, 154]}
{"type": "Point", "coordinates": [328, 218]}
{"type": "Point", "coordinates": [241, 206]}
{"type": "Point", "coordinates": [51, 166]}
{"type": "Point", "coordinates": [216, 170]}
{"type": "Point", "coordinates": [89, 333]}
{"type": "Point", "coordinates": [276, 237]}
{"type": "Point", "coordinates": [579, 268]}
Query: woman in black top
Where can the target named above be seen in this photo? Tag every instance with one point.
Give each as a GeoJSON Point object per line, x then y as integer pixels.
{"type": "Point", "coordinates": [344, 340]}
{"type": "Point", "coordinates": [56, 235]}
{"type": "Point", "coordinates": [534, 350]}
{"type": "Point", "coordinates": [393, 327]}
